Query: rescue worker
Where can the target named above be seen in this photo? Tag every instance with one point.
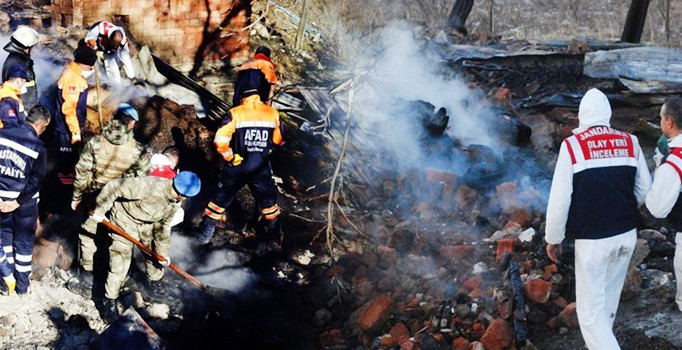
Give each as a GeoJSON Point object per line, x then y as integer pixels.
{"type": "Point", "coordinates": [600, 180]}
{"type": "Point", "coordinates": [245, 141]}
{"type": "Point", "coordinates": [23, 163]}
{"type": "Point", "coordinates": [165, 164]}
{"type": "Point", "coordinates": [19, 49]}
{"type": "Point", "coordinates": [136, 205]}
{"type": "Point", "coordinates": [112, 46]}
{"type": "Point", "coordinates": [71, 111]}
{"type": "Point", "coordinates": [663, 200]}
{"type": "Point", "coordinates": [113, 154]}
{"type": "Point", "coordinates": [12, 110]}
{"type": "Point", "coordinates": [259, 72]}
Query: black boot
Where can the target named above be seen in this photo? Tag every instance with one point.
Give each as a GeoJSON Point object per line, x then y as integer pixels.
{"type": "Point", "coordinates": [81, 284]}
{"type": "Point", "coordinates": [109, 310]}
{"type": "Point", "coordinates": [275, 236]}
{"type": "Point", "coordinates": [206, 229]}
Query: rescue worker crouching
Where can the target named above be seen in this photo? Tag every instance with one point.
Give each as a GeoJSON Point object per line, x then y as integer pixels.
{"type": "Point", "coordinates": [113, 48]}
{"type": "Point", "coordinates": [23, 163]}
{"type": "Point", "coordinates": [12, 110]}
{"type": "Point", "coordinates": [143, 207]}
{"type": "Point", "coordinates": [19, 48]}
{"type": "Point", "coordinates": [112, 155]}
{"type": "Point", "coordinates": [245, 142]}
{"type": "Point", "coordinates": [71, 111]}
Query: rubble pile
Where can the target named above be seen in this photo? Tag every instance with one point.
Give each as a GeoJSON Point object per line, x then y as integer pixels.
{"type": "Point", "coordinates": [435, 282]}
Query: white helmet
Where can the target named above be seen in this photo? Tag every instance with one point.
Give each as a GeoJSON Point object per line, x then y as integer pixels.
{"type": "Point", "coordinates": [25, 36]}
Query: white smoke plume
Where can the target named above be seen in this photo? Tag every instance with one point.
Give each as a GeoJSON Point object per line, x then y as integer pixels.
{"type": "Point", "coordinates": [220, 268]}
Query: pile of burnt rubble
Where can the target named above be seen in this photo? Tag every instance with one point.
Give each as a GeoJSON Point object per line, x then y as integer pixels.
{"type": "Point", "coordinates": [462, 283]}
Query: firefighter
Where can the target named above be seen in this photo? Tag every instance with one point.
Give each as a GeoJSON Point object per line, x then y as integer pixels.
{"type": "Point", "coordinates": [600, 180]}
{"type": "Point", "coordinates": [259, 72]}
{"type": "Point", "coordinates": [137, 205]}
{"type": "Point", "coordinates": [113, 48]}
{"type": "Point", "coordinates": [664, 200]}
{"type": "Point", "coordinates": [71, 113]}
{"type": "Point", "coordinates": [113, 154]}
{"type": "Point", "coordinates": [245, 142]}
{"type": "Point", "coordinates": [19, 49]}
{"type": "Point", "coordinates": [23, 160]}
{"type": "Point", "coordinates": [12, 110]}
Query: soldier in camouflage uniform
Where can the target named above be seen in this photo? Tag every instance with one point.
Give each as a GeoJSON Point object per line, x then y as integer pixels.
{"type": "Point", "coordinates": [144, 208]}
{"type": "Point", "coordinates": [106, 157]}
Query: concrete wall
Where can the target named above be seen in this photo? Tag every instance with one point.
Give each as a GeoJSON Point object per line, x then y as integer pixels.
{"type": "Point", "coordinates": [179, 31]}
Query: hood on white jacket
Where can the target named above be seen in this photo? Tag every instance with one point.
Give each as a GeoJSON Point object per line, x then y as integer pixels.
{"type": "Point", "coordinates": [594, 110]}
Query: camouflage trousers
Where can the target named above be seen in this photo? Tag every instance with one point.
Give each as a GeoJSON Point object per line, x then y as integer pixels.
{"type": "Point", "coordinates": [121, 252]}
{"type": "Point", "coordinates": [86, 235]}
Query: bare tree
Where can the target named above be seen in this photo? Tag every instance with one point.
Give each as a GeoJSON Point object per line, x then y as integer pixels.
{"type": "Point", "coordinates": [664, 7]}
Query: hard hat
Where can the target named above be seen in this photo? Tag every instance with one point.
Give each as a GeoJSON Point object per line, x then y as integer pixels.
{"type": "Point", "coordinates": [187, 184]}
{"type": "Point", "coordinates": [25, 36]}
{"type": "Point", "coordinates": [129, 110]}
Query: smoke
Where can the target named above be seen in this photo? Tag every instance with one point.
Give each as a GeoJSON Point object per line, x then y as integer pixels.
{"type": "Point", "coordinates": [407, 69]}
{"type": "Point", "coordinates": [218, 268]}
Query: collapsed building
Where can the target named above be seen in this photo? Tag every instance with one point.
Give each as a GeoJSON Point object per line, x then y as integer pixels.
{"type": "Point", "coordinates": [419, 194]}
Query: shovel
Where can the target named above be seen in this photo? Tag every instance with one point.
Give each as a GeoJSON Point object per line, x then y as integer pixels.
{"type": "Point", "coordinates": [119, 231]}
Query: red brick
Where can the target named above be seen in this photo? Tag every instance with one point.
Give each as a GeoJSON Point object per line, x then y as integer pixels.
{"type": "Point", "coordinates": [560, 302]}
{"type": "Point", "coordinates": [387, 254]}
{"type": "Point", "coordinates": [568, 316]}
{"type": "Point", "coordinates": [374, 313]}
{"type": "Point", "coordinates": [498, 336]}
{"type": "Point", "coordinates": [437, 176]}
{"type": "Point", "coordinates": [503, 95]}
{"type": "Point", "coordinates": [476, 293]}
{"type": "Point", "coordinates": [450, 252]}
{"type": "Point", "coordinates": [522, 217]}
{"type": "Point", "coordinates": [400, 333]}
{"type": "Point", "coordinates": [331, 338]}
{"type": "Point", "coordinates": [460, 344]}
{"type": "Point", "coordinates": [505, 245]}
{"type": "Point", "coordinates": [473, 282]}
{"type": "Point", "coordinates": [388, 342]}
{"type": "Point", "coordinates": [538, 290]}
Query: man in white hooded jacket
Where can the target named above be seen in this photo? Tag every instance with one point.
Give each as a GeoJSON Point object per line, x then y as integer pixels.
{"type": "Point", "coordinates": [600, 180]}
{"type": "Point", "coordinates": [664, 199]}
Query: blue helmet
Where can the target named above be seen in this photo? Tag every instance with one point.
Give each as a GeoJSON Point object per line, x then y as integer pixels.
{"type": "Point", "coordinates": [187, 184]}
{"type": "Point", "coordinates": [126, 108]}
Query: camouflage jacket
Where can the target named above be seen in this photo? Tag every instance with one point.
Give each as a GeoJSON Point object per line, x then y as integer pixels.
{"type": "Point", "coordinates": [145, 200]}
{"type": "Point", "coordinates": [109, 156]}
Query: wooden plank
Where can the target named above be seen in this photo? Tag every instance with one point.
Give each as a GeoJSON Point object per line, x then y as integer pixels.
{"type": "Point", "coordinates": [652, 86]}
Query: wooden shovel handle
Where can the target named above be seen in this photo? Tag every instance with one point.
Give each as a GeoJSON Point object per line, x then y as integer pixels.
{"type": "Point", "coordinates": [119, 231]}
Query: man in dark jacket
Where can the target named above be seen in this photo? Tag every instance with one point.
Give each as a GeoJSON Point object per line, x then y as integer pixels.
{"type": "Point", "coordinates": [19, 48]}
{"type": "Point", "coordinates": [11, 106]}
{"type": "Point", "coordinates": [23, 163]}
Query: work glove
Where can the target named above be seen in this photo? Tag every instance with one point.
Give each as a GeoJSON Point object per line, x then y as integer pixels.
{"type": "Point", "coordinates": [100, 55]}
{"type": "Point", "coordinates": [75, 138]}
{"type": "Point", "coordinates": [658, 157]}
{"type": "Point", "coordinates": [166, 262]}
{"type": "Point", "coordinates": [97, 217]}
{"type": "Point", "coordinates": [237, 160]}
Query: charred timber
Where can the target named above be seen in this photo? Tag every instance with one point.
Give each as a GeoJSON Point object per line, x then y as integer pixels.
{"type": "Point", "coordinates": [458, 16]}
{"type": "Point", "coordinates": [634, 23]}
